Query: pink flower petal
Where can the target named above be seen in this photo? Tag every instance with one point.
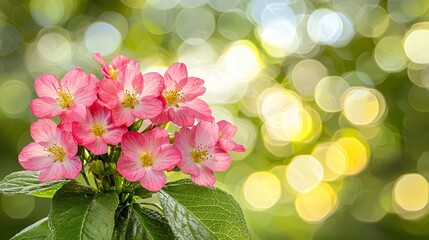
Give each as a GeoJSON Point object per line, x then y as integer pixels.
{"type": "Point", "coordinates": [98, 147]}
{"type": "Point", "coordinates": [34, 157]}
{"type": "Point", "coordinates": [147, 108]}
{"type": "Point", "coordinates": [219, 162]}
{"type": "Point", "coordinates": [161, 118]}
{"type": "Point", "coordinates": [193, 88]}
{"type": "Point", "coordinates": [131, 77]}
{"type": "Point", "coordinates": [122, 115]}
{"type": "Point", "coordinates": [46, 85]}
{"type": "Point", "coordinates": [130, 169]}
{"type": "Point", "coordinates": [92, 79]}
{"type": "Point", "coordinates": [229, 145]}
{"type": "Point", "coordinates": [181, 116]}
{"type": "Point", "coordinates": [167, 158]}
{"type": "Point", "coordinates": [82, 133]}
{"type": "Point", "coordinates": [99, 112]}
{"type": "Point", "coordinates": [77, 113]}
{"type": "Point", "coordinates": [44, 130]}
{"type": "Point", "coordinates": [68, 143]}
{"type": "Point", "coordinates": [156, 138]}
{"type": "Point", "coordinates": [152, 85]}
{"type": "Point", "coordinates": [104, 67]}
{"type": "Point", "coordinates": [153, 180]}
{"type": "Point", "coordinates": [205, 178]}
{"type": "Point", "coordinates": [86, 95]}
{"type": "Point", "coordinates": [176, 72]}
{"type": "Point", "coordinates": [74, 79]}
{"type": "Point", "coordinates": [187, 165]}
{"type": "Point", "coordinates": [71, 167]}
{"type": "Point", "coordinates": [119, 61]}
{"type": "Point", "coordinates": [184, 141]}
{"type": "Point", "coordinates": [108, 92]}
{"type": "Point", "coordinates": [137, 83]}
{"type": "Point", "coordinates": [206, 133]}
{"type": "Point", "coordinates": [45, 107]}
{"type": "Point", "coordinates": [199, 108]}
{"type": "Point", "coordinates": [133, 144]}
{"type": "Point", "coordinates": [114, 135]}
{"type": "Point", "coordinates": [54, 172]}
{"type": "Point", "coordinates": [227, 129]}
{"type": "Point", "coordinates": [238, 148]}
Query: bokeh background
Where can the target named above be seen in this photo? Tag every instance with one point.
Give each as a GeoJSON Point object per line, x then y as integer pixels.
{"type": "Point", "coordinates": [330, 98]}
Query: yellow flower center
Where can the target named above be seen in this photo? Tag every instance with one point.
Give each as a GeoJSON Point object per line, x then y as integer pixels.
{"type": "Point", "coordinates": [64, 99]}
{"type": "Point", "coordinates": [113, 73]}
{"type": "Point", "coordinates": [129, 100]}
{"type": "Point", "coordinates": [172, 96]}
{"type": "Point", "coordinates": [198, 155]}
{"type": "Point", "coordinates": [98, 130]}
{"type": "Point", "coordinates": [58, 152]}
{"type": "Point", "coordinates": [146, 159]}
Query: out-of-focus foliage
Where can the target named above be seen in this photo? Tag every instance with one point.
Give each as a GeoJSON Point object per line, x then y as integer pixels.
{"type": "Point", "coordinates": [331, 99]}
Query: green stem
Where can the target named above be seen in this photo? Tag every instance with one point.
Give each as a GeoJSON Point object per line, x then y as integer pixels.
{"type": "Point", "coordinates": [96, 183]}
{"type": "Point", "coordinates": [131, 195]}
{"type": "Point", "coordinates": [85, 177]}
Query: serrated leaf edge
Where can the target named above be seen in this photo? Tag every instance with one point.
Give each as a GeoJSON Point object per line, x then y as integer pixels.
{"type": "Point", "coordinates": [209, 230]}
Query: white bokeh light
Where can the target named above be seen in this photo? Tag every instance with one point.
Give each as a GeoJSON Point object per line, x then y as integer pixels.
{"type": "Point", "coordinates": [102, 37]}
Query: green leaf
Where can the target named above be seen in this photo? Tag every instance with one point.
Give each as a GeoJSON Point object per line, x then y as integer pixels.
{"type": "Point", "coordinates": [135, 222]}
{"type": "Point", "coordinates": [77, 212]}
{"type": "Point", "coordinates": [142, 192]}
{"type": "Point", "coordinates": [26, 182]}
{"type": "Point", "coordinates": [196, 212]}
{"type": "Point", "coordinates": [36, 231]}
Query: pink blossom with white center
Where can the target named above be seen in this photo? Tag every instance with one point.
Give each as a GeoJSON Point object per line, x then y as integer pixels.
{"type": "Point", "coordinates": [226, 133]}
{"type": "Point", "coordinates": [200, 156]}
{"type": "Point", "coordinates": [96, 130]}
{"type": "Point", "coordinates": [61, 98]}
{"type": "Point", "coordinates": [145, 156]}
{"type": "Point", "coordinates": [53, 152]}
{"type": "Point", "coordinates": [181, 105]}
{"type": "Point", "coordinates": [132, 95]}
{"type": "Point", "coordinates": [110, 71]}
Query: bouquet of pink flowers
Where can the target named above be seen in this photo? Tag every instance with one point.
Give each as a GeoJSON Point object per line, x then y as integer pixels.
{"type": "Point", "coordinates": [115, 130]}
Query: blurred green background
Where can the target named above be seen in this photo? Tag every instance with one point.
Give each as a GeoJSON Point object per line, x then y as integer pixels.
{"type": "Point", "coordinates": [330, 98]}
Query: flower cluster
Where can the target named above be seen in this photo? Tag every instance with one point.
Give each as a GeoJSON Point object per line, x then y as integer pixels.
{"type": "Point", "coordinates": [101, 125]}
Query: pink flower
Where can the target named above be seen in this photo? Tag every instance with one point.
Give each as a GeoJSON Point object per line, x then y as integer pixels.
{"type": "Point", "coordinates": [200, 156]}
{"type": "Point", "coordinates": [226, 133]}
{"type": "Point", "coordinates": [133, 95]}
{"type": "Point", "coordinates": [117, 63]}
{"type": "Point", "coordinates": [145, 156]}
{"type": "Point", "coordinates": [52, 153]}
{"type": "Point", "coordinates": [63, 97]}
{"type": "Point", "coordinates": [96, 129]}
{"type": "Point", "coordinates": [181, 105]}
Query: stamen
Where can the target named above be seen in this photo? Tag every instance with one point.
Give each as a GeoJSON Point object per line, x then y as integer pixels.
{"type": "Point", "coordinates": [199, 155]}
{"type": "Point", "coordinates": [113, 73]}
{"type": "Point", "coordinates": [64, 99]}
{"type": "Point", "coordinates": [98, 130]}
{"type": "Point", "coordinates": [146, 159]}
{"type": "Point", "coordinates": [173, 96]}
{"type": "Point", "coordinates": [58, 152]}
{"type": "Point", "coordinates": [129, 100]}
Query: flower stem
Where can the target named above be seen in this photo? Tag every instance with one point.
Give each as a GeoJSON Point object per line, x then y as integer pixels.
{"type": "Point", "coordinates": [96, 183]}
{"type": "Point", "coordinates": [131, 195]}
